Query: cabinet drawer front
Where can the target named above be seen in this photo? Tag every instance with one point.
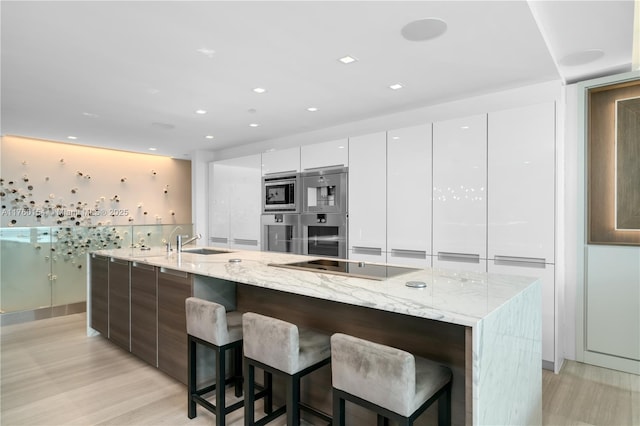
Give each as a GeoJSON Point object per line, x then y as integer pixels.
{"type": "Point", "coordinates": [172, 324]}
{"type": "Point", "coordinates": [175, 276]}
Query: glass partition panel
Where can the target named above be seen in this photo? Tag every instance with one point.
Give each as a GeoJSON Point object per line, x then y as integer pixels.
{"type": "Point", "coordinates": [25, 268]}
{"type": "Point", "coordinates": [47, 266]}
{"type": "Point", "coordinates": [70, 246]}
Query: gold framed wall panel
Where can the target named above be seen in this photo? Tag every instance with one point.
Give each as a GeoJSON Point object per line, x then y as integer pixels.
{"type": "Point", "coordinates": [602, 173]}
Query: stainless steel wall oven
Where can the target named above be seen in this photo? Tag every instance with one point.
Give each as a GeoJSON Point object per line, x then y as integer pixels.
{"type": "Point", "coordinates": [324, 234]}
{"type": "Point", "coordinates": [281, 232]}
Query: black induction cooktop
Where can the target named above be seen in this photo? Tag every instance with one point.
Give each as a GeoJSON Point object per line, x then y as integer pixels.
{"type": "Point", "coordinates": [348, 268]}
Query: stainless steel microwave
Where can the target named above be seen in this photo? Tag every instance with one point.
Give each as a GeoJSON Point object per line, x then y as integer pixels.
{"type": "Point", "coordinates": [281, 193]}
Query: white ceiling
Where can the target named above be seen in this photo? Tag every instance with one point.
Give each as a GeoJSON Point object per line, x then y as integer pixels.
{"type": "Point", "coordinates": [131, 74]}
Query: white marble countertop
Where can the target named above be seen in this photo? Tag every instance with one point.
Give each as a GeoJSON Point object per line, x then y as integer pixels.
{"type": "Point", "coordinates": [457, 297]}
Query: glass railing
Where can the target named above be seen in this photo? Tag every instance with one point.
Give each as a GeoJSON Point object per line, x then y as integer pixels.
{"type": "Point", "coordinates": [47, 266]}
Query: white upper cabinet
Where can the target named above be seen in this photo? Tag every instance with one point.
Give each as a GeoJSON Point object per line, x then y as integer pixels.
{"type": "Point", "coordinates": [235, 203]}
{"type": "Point", "coordinates": [409, 195]}
{"type": "Point", "coordinates": [368, 195]}
{"type": "Point", "coordinates": [220, 176]}
{"type": "Point", "coordinates": [459, 188]}
{"type": "Point", "coordinates": [521, 182]}
{"type": "Point", "coordinates": [281, 161]}
{"type": "Point", "coordinates": [245, 197]}
{"type": "Point", "coordinates": [325, 154]}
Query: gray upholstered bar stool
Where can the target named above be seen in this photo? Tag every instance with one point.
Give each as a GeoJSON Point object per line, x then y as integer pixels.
{"type": "Point", "coordinates": [209, 324]}
{"type": "Point", "coordinates": [279, 347]}
{"type": "Point", "coordinates": [391, 382]}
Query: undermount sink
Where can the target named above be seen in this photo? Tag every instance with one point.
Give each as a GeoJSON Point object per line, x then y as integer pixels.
{"type": "Point", "coordinates": [205, 251]}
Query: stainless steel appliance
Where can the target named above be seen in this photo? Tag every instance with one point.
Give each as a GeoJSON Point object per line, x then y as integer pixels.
{"type": "Point", "coordinates": [324, 190]}
{"type": "Point", "coordinates": [281, 232]}
{"type": "Point", "coordinates": [324, 234]}
{"type": "Point", "coordinates": [352, 269]}
{"type": "Point", "coordinates": [281, 193]}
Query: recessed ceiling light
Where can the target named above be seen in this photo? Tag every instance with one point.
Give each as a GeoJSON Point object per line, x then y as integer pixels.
{"type": "Point", "coordinates": [90, 115]}
{"type": "Point", "coordinates": [209, 137]}
{"type": "Point", "coordinates": [153, 149]}
{"type": "Point", "coordinates": [424, 29]}
{"type": "Point", "coordinates": [201, 111]}
{"type": "Point", "coordinates": [395, 138]}
{"type": "Point", "coordinates": [347, 59]}
{"type": "Point", "coordinates": [464, 127]}
{"type": "Point", "coordinates": [396, 86]}
{"type": "Point", "coordinates": [259, 90]}
{"type": "Point", "coordinates": [73, 138]}
{"type": "Point", "coordinates": [254, 125]}
{"type": "Point", "coordinates": [312, 109]}
{"type": "Point", "coordinates": [580, 58]}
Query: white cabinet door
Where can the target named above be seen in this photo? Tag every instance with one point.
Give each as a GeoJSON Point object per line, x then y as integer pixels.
{"type": "Point", "coordinates": [409, 193]}
{"type": "Point", "coordinates": [459, 186]}
{"type": "Point", "coordinates": [447, 262]}
{"type": "Point", "coordinates": [281, 161]}
{"type": "Point", "coordinates": [613, 301]}
{"type": "Point", "coordinates": [415, 258]}
{"type": "Point", "coordinates": [244, 204]}
{"type": "Point", "coordinates": [220, 176]}
{"type": "Point", "coordinates": [546, 272]}
{"type": "Point", "coordinates": [325, 154]}
{"type": "Point", "coordinates": [368, 193]}
{"type": "Point", "coordinates": [234, 215]}
{"type": "Point", "coordinates": [521, 182]}
{"type": "Point", "coordinates": [367, 254]}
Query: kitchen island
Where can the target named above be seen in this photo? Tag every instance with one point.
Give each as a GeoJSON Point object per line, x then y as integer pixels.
{"type": "Point", "coordinates": [485, 327]}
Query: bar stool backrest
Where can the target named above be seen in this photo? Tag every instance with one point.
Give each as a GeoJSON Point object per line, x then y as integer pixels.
{"type": "Point", "coordinates": [207, 320]}
{"type": "Point", "coordinates": [380, 374]}
{"type": "Point", "coordinates": [271, 341]}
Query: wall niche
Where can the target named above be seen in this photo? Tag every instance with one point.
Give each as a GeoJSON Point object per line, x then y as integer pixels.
{"type": "Point", "coordinates": [613, 182]}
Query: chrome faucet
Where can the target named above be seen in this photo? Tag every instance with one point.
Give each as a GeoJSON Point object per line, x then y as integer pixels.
{"type": "Point", "coordinates": [170, 235]}
{"type": "Point", "coordinates": [180, 243]}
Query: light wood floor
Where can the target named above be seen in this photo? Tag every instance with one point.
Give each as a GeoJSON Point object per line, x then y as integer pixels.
{"type": "Point", "coordinates": [53, 374]}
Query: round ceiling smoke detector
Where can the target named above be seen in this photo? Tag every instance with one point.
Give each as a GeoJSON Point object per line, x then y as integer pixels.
{"type": "Point", "coordinates": [424, 29]}
{"type": "Point", "coordinates": [580, 58]}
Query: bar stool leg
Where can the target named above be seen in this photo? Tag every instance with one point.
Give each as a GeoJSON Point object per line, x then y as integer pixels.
{"type": "Point", "coordinates": [293, 400]}
{"type": "Point", "coordinates": [444, 407]}
{"type": "Point", "coordinates": [338, 410]}
{"type": "Point", "coordinates": [237, 366]}
{"type": "Point", "coordinates": [191, 381]}
{"type": "Point", "coordinates": [220, 386]}
{"type": "Point", "coordinates": [382, 421]}
{"type": "Point", "coordinates": [249, 396]}
{"type": "Point", "coordinates": [268, 399]}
